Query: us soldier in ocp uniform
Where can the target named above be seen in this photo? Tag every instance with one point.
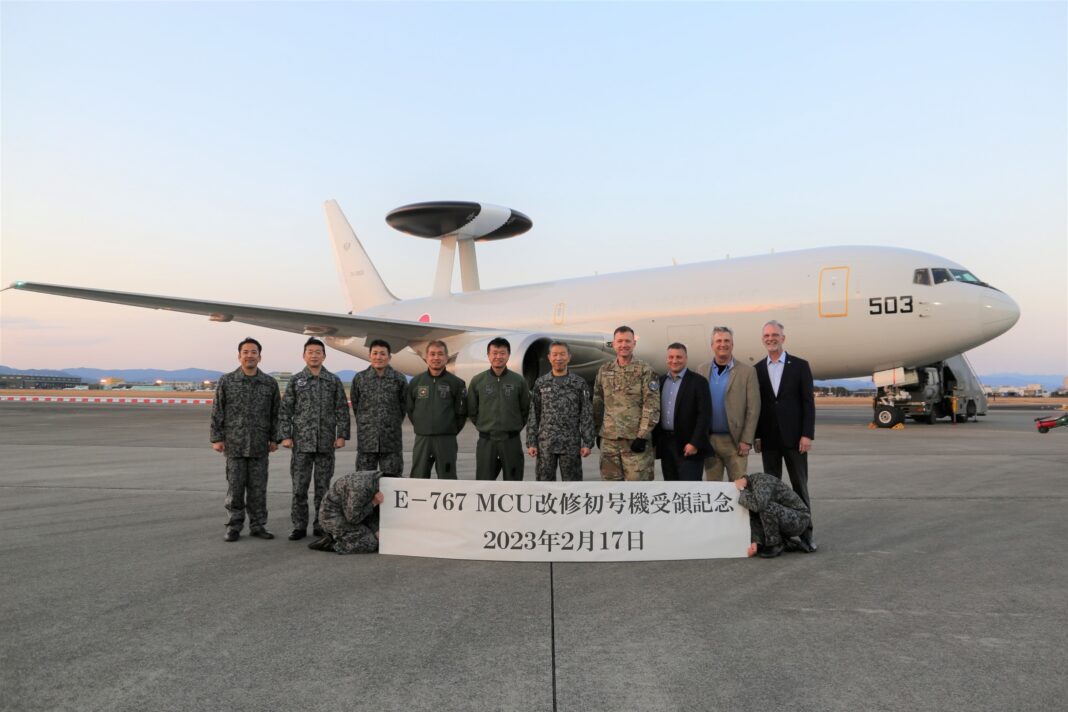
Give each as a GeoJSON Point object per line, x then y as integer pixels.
{"type": "Point", "coordinates": [377, 396]}
{"type": "Point", "coordinates": [497, 404]}
{"type": "Point", "coordinates": [349, 514]}
{"type": "Point", "coordinates": [560, 425]}
{"type": "Point", "coordinates": [314, 421]}
{"type": "Point", "coordinates": [436, 404]}
{"type": "Point", "coordinates": [244, 425]}
{"type": "Point", "coordinates": [626, 408]}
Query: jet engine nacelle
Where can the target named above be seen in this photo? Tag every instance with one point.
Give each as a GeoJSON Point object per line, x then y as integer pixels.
{"type": "Point", "coordinates": [529, 355]}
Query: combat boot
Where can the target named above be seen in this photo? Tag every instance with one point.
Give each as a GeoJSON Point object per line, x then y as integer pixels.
{"type": "Point", "coordinates": [325, 543]}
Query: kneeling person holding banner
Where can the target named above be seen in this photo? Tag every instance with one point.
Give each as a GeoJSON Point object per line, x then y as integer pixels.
{"type": "Point", "coordinates": [776, 513]}
{"type": "Point", "coordinates": [349, 514]}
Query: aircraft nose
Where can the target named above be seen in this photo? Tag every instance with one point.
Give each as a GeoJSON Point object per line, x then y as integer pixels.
{"type": "Point", "coordinates": [998, 313]}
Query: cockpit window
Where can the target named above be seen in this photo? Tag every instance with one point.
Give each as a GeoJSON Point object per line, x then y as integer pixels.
{"type": "Point", "coordinates": [963, 275]}
{"type": "Point", "coordinates": [941, 275]}
{"type": "Point", "coordinates": [921, 276]}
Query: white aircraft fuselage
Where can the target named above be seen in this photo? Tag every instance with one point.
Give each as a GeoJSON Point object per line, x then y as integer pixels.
{"type": "Point", "coordinates": [822, 296]}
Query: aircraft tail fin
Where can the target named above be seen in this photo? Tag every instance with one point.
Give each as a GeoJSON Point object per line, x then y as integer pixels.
{"type": "Point", "coordinates": [363, 285]}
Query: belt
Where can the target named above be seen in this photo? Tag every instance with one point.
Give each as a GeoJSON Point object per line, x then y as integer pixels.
{"type": "Point", "coordinates": [498, 435]}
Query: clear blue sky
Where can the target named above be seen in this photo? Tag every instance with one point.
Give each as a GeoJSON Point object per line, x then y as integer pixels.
{"type": "Point", "coordinates": [186, 148]}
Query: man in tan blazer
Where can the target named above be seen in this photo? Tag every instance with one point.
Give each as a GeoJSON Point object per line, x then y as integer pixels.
{"type": "Point", "coordinates": [735, 408]}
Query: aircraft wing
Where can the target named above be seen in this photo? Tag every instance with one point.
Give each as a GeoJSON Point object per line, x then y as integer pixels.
{"type": "Point", "coordinates": [298, 322]}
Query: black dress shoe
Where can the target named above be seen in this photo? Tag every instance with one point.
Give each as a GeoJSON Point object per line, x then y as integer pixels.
{"type": "Point", "coordinates": [298, 534]}
{"type": "Point", "coordinates": [231, 535]}
{"type": "Point", "coordinates": [261, 534]}
{"type": "Point", "coordinates": [318, 531]}
{"type": "Point", "coordinates": [770, 552]}
{"type": "Point", "coordinates": [807, 545]}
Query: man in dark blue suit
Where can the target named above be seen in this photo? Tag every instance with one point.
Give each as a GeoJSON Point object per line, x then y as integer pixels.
{"type": "Point", "coordinates": [681, 436]}
{"type": "Point", "coordinates": [787, 416]}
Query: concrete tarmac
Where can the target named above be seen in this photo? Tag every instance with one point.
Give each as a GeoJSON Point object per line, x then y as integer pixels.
{"type": "Point", "coordinates": [940, 584]}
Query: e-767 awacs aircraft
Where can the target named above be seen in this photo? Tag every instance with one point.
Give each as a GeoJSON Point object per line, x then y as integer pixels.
{"type": "Point", "coordinates": [851, 311]}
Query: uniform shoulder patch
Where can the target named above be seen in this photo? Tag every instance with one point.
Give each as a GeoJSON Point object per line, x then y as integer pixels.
{"type": "Point", "coordinates": [654, 385]}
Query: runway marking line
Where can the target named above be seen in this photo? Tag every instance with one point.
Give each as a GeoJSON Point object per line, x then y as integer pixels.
{"type": "Point", "coordinates": [82, 399]}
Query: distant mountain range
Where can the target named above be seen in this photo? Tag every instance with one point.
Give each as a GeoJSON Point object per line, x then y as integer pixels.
{"type": "Point", "coordinates": [1049, 382]}
{"type": "Point", "coordinates": [148, 375]}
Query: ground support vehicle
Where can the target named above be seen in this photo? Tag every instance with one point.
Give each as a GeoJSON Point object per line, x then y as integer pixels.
{"type": "Point", "coordinates": [946, 389]}
{"type": "Point", "coordinates": [1046, 423]}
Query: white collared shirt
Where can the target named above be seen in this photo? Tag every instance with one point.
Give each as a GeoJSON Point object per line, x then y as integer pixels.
{"type": "Point", "coordinates": [775, 372]}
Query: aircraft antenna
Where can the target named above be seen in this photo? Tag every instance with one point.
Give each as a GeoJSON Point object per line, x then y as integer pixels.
{"type": "Point", "coordinates": [458, 224]}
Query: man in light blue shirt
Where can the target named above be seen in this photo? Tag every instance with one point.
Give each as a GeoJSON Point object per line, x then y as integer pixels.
{"type": "Point", "coordinates": [681, 436]}
{"type": "Point", "coordinates": [669, 393]}
{"type": "Point", "coordinates": [735, 398]}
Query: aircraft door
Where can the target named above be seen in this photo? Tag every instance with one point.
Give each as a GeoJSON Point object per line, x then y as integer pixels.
{"type": "Point", "coordinates": [559, 313]}
{"type": "Point", "coordinates": [834, 291]}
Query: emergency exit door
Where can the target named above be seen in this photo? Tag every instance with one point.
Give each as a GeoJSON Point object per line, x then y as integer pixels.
{"type": "Point", "coordinates": [834, 291]}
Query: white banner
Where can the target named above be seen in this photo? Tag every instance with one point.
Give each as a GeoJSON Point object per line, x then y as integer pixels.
{"type": "Point", "coordinates": [562, 521]}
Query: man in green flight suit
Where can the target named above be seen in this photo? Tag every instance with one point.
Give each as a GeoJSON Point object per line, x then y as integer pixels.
{"type": "Point", "coordinates": [497, 403]}
{"type": "Point", "coordinates": [435, 403]}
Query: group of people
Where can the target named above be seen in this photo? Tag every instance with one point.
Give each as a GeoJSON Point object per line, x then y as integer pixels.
{"type": "Point", "coordinates": [699, 424]}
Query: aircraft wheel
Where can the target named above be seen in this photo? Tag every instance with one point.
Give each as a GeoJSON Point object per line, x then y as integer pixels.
{"type": "Point", "coordinates": [887, 416]}
{"type": "Point", "coordinates": [1043, 429]}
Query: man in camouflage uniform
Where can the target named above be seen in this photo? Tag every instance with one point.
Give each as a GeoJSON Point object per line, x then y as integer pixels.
{"type": "Point", "coordinates": [436, 405]}
{"type": "Point", "coordinates": [626, 408]}
{"type": "Point", "coordinates": [560, 425]}
{"type": "Point", "coordinates": [244, 425]}
{"type": "Point", "coordinates": [497, 403]}
{"type": "Point", "coordinates": [377, 396]}
{"type": "Point", "coordinates": [776, 513]}
{"type": "Point", "coordinates": [314, 421]}
{"type": "Point", "coordinates": [349, 514]}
